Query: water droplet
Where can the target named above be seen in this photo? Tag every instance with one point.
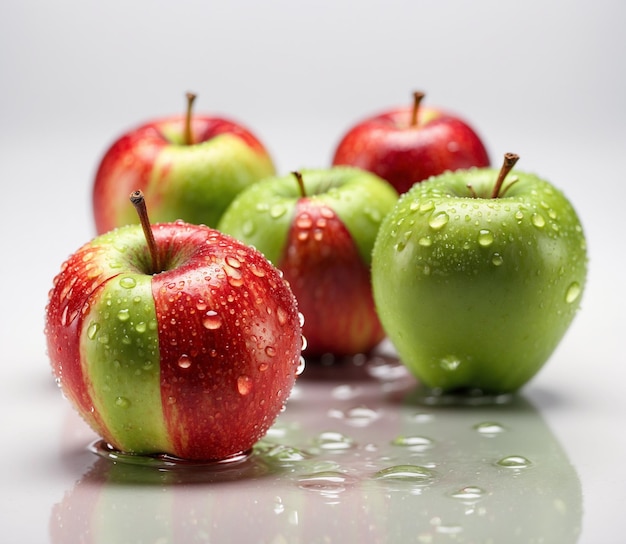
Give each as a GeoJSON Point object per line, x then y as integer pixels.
{"type": "Point", "coordinates": [122, 402]}
{"type": "Point", "coordinates": [438, 221]}
{"type": "Point", "coordinates": [301, 366]}
{"type": "Point", "coordinates": [496, 259]}
{"type": "Point", "coordinates": [415, 443]}
{"type": "Point", "coordinates": [211, 320]}
{"type": "Point", "coordinates": [277, 210]}
{"type": "Point", "coordinates": [304, 221]}
{"type": "Point", "coordinates": [514, 461]}
{"type": "Point", "coordinates": [233, 261]}
{"type": "Point", "coordinates": [184, 361]}
{"type": "Point", "coordinates": [127, 282]}
{"type": "Point", "coordinates": [485, 237]}
{"type": "Point", "coordinates": [450, 363]}
{"type": "Point", "coordinates": [413, 474]}
{"type": "Point", "coordinates": [244, 385]}
{"type": "Point", "coordinates": [573, 292]}
{"type": "Point", "coordinates": [123, 315]}
{"type": "Point", "coordinates": [270, 351]}
{"type": "Point", "coordinates": [334, 441]}
{"type": "Point", "coordinates": [92, 331]}
{"type": "Point", "coordinates": [263, 367]}
{"type": "Point", "coordinates": [469, 493]}
{"type": "Point", "coordinates": [427, 206]}
{"type": "Point", "coordinates": [329, 483]}
{"type": "Point", "coordinates": [141, 326]}
{"type": "Point", "coordinates": [359, 416]}
{"type": "Point", "coordinates": [425, 241]}
{"type": "Point", "coordinates": [489, 428]}
{"type": "Point", "coordinates": [301, 319]}
{"type": "Point", "coordinates": [284, 454]}
{"type": "Point", "coordinates": [281, 314]}
{"type": "Point", "coordinates": [248, 228]}
{"type": "Point", "coordinates": [538, 220]}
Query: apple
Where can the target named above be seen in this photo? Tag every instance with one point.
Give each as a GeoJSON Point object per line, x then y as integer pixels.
{"type": "Point", "coordinates": [189, 167]}
{"type": "Point", "coordinates": [187, 345]}
{"type": "Point", "coordinates": [410, 144]}
{"type": "Point", "coordinates": [477, 275]}
{"type": "Point", "coordinates": [318, 227]}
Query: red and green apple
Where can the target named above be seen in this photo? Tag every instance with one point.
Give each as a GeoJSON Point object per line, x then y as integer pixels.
{"type": "Point", "coordinates": [477, 275]}
{"type": "Point", "coordinates": [318, 227]}
{"type": "Point", "coordinates": [188, 166]}
{"type": "Point", "coordinates": [174, 338]}
{"type": "Point", "coordinates": [407, 145]}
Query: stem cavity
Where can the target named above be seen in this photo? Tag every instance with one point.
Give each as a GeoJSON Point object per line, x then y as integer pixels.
{"type": "Point", "coordinates": [137, 199]}
{"type": "Point", "coordinates": [507, 165]}
{"type": "Point", "coordinates": [187, 134]}
{"type": "Point", "coordinates": [417, 99]}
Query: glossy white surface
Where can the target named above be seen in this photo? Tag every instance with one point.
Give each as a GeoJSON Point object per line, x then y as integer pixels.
{"type": "Point", "coordinates": [533, 80]}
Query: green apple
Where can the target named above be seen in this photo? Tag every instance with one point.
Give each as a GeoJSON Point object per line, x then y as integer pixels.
{"type": "Point", "coordinates": [318, 227]}
{"type": "Point", "coordinates": [477, 275]}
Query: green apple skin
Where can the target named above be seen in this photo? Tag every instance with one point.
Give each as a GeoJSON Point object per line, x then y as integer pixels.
{"type": "Point", "coordinates": [476, 292]}
{"type": "Point", "coordinates": [322, 242]}
{"type": "Point", "coordinates": [195, 182]}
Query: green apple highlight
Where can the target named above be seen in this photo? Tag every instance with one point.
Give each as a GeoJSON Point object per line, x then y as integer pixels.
{"type": "Point", "coordinates": [477, 276]}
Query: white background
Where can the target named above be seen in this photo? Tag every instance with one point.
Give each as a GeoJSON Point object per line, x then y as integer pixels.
{"type": "Point", "coordinates": [544, 79]}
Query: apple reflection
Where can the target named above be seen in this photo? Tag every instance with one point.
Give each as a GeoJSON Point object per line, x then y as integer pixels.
{"type": "Point", "coordinates": [361, 454]}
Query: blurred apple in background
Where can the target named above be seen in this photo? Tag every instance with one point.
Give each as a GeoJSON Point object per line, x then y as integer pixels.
{"type": "Point", "coordinates": [173, 339]}
{"type": "Point", "coordinates": [410, 144]}
{"type": "Point", "coordinates": [477, 276]}
{"type": "Point", "coordinates": [189, 167]}
{"type": "Point", "coordinates": [319, 227]}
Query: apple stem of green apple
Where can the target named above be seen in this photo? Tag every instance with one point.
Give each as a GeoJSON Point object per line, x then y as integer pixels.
{"type": "Point", "coordinates": [507, 165]}
{"type": "Point", "coordinates": [417, 99]}
{"type": "Point", "coordinates": [300, 181]}
{"type": "Point", "coordinates": [188, 136]}
{"type": "Point", "coordinates": [139, 201]}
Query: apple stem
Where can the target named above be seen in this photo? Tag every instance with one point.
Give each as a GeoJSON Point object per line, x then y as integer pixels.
{"type": "Point", "coordinates": [139, 201]}
{"type": "Point", "coordinates": [417, 99]}
{"type": "Point", "coordinates": [507, 165]}
{"type": "Point", "coordinates": [298, 176]}
{"type": "Point", "coordinates": [188, 136]}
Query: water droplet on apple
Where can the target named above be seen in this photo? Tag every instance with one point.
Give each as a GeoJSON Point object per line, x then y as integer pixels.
{"type": "Point", "coordinates": [233, 261]}
{"type": "Point", "coordinates": [304, 342]}
{"type": "Point", "coordinates": [425, 241]}
{"type": "Point", "coordinates": [304, 221]}
{"type": "Point", "coordinates": [450, 363]}
{"type": "Point", "coordinates": [496, 259]}
{"type": "Point", "coordinates": [122, 402]}
{"type": "Point", "coordinates": [425, 207]}
{"type": "Point", "coordinates": [244, 385]}
{"type": "Point", "coordinates": [469, 493]}
{"type": "Point", "coordinates": [270, 351]}
{"type": "Point", "coordinates": [438, 220]}
{"type": "Point", "coordinates": [123, 315]}
{"type": "Point", "coordinates": [211, 320]}
{"type": "Point", "coordinates": [92, 330]}
{"type": "Point", "coordinates": [277, 210]}
{"type": "Point", "coordinates": [301, 319]}
{"type": "Point", "coordinates": [485, 238]}
{"type": "Point", "coordinates": [414, 474]}
{"type": "Point", "coordinates": [184, 361]}
{"type": "Point", "coordinates": [263, 367]}
{"type": "Point", "coordinates": [415, 443]}
{"type": "Point", "coordinates": [514, 462]}
{"type": "Point", "coordinates": [127, 282]}
{"type": "Point", "coordinates": [281, 314]}
{"type": "Point", "coordinates": [573, 292]}
{"type": "Point", "coordinates": [489, 428]}
{"type": "Point", "coordinates": [141, 327]}
{"type": "Point", "coordinates": [538, 220]}
{"type": "Point", "coordinates": [248, 228]}
{"type": "Point", "coordinates": [301, 366]}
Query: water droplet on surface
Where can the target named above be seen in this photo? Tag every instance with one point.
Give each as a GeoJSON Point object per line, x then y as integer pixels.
{"type": "Point", "coordinates": [469, 493]}
{"type": "Point", "coordinates": [489, 428]}
{"type": "Point", "coordinates": [425, 207]}
{"type": "Point", "coordinates": [514, 461]}
{"type": "Point", "coordinates": [233, 261]}
{"type": "Point", "coordinates": [277, 210]}
{"type": "Point", "coordinates": [359, 416]}
{"type": "Point", "coordinates": [415, 443]}
{"type": "Point", "coordinates": [270, 351]}
{"type": "Point", "coordinates": [485, 238]}
{"type": "Point", "coordinates": [301, 366]}
{"type": "Point", "coordinates": [127, 282]}
{"type": "Point", "coordinates": [438, 220]}
{"type": "Point", "coordinates": [244, 385]}
{"type": "Point", "coordinates": [327, 483]}
{"type": "Point", "coordinates": [211, 320]}
{"type": "Point", "coordinates": [123, 315]}
{"type": "Point", "coordinates": [497, 260]}
{"type": "Point", "coordinates": [414, 474]}
{"type": "Point", "coordinates": [538, 220]}
{"type": "Point", "coordinates": [184, 361]}
{"type": "Point", "coordinates": [141, 326]}
{"type": "Point", "coordinates": [450, 363]}
{"type": "Point", "coordinates": [573, 292]}
{"type": "Point", "coordinates": [334, 441]}
{"type": "Point", "coordinates": [92, 331]}
{"type": "Point", "coordinates": [425, 241]}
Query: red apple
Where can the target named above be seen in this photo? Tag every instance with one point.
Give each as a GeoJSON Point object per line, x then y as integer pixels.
{"type": "Point", "coordinates": [188, 345]}
{"type": "Point", "coordinates": [189, 167]}
{"type": "Point", "coordinates": [410, 144]}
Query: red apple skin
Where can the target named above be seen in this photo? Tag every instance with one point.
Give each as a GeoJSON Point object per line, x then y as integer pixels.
{"type": "Point", "coordinates": [389, 146]}
{"type": "Point", "coordinates": [323, 267]}
{"type": "Point", "coordinates": [139, 160]}
{"type": "Point", "coordinates": [218, 384]}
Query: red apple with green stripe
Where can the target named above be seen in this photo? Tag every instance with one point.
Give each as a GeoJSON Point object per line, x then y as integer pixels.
{"type": "Point", "coordinates": [188, 166]}
{"type": "Point", "coordinates": [174, 338]}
